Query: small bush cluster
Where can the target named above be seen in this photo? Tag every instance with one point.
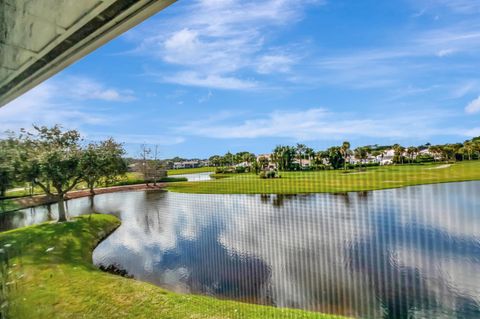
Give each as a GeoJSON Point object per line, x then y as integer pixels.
{"type": "Point", "coordinates": [231, 170]}
{"type": "Point", "coordinates": [268, 174]}
{"type": "Point", "coordinates": [353, 166]}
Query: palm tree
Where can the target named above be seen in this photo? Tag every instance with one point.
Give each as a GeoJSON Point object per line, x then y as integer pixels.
{"type": "Point", "coordinates": [469, 148]}
{"type": "Point", "coordinates": [399, 150]}
{"type": "Point", "coordinates": [362, 154]}
{"type": "Point", "coordinates": [345, 152]}
{"type": "Point", "coordinates": [411, 152]}
{"type": "Point", "coordinates": [310, 153]}
{"type": "Point", "coordinates": [300, 152]}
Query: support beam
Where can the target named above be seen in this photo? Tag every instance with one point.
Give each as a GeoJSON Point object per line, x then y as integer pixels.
{"type": "Point", "coordinates": [40, 38]}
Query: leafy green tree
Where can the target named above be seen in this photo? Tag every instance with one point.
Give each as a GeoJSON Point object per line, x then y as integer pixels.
{"type": "Point", "coordinates": [283, 156]}
{"type": "Point", "coordinates": [102, 162]}
{"type": "Point", "coordinates": [7, 165]}
{"type": "Point", "coordinates": [51, 159]}
{"type": "Point", "coordinates": [215, 160]}
{"type": "Point", "coordinates": [362, 154]}
{"type": "Point", "coordinates": [335, 157]}
{"type": "Point", "coordinates": [228, 159]}
{"type": "Point", "coordinates": [320, 156]}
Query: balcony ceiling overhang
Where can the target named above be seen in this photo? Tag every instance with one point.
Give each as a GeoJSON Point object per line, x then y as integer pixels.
{"type": "Point", "coordinates": [39, 38]}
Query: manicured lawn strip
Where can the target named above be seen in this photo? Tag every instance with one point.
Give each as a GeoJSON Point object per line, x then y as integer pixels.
{"type": "Point", "coordinates": [335, 181]}
{"type": "Point", "coordinates": [63, 283]}
{"type": "Point", "coordinates": [180, 171]}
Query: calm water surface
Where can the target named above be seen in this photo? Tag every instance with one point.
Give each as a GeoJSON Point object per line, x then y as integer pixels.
{"type": "Point", "coordinates": [402, 253]}
{"type": "Point", "coordinates": [197, 177]}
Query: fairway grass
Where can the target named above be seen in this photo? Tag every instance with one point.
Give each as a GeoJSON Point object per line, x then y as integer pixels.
{"type": "Point", "coordinates": [335, 181]}
{"type": "Point", "coordinates": [52, 276]}
{"type": "Point", "coordinates": [181, 171]}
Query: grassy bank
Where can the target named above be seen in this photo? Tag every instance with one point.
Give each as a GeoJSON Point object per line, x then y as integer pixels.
{"type": "Point", "coordinates": [130, 178]}
{"type": "Point", "coordinates": [180, 171]}
{"type": "Point", "coordinates": [54, 278]}
{"type": "Point", "coordinates": [335, 181]}
{"type": "Point", "coordinates": [7, 205]}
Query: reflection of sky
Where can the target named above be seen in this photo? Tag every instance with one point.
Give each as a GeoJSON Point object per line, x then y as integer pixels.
{"type": "Point", "coordinates": [197, 177]}
{"type": "Point", "coordinates": [413, 250]}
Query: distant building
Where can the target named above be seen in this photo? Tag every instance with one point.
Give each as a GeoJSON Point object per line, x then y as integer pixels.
{"type": "Point", "coordinates": [386, 158]}
{"type": "Point", "coordinates": [303, 162]}
{"type": "Point", "coordinates": [242, 164]}
{"type": "Point", "coordinates": [186, 164]}
{"type": "Point", "coordinates": [190, 164]}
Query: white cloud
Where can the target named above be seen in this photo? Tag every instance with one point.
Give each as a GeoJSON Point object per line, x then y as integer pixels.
{"type": "Point", "coordinates": [473, 107]}
{"type": "Point", "coordinates": [84, 88]}
{"type": "Point", "coordinates": [456, 6]}
{"type": "Point", "coordinates": [474, 132]}
{"type": "Point", "coordinates": [318, 123]}
{"type": "Point", "coordinates": [210, 81]}
{"type": "Point", "coordinates": [445, 52]}
{"type": "Point", "coordinates": [218, 39]}
{"type": "Point", "coordinates": [275, 63]}
{"type": "Point", "coordinates": [151, 139]}
{"type": "Point", "coordinates": [59, 101]}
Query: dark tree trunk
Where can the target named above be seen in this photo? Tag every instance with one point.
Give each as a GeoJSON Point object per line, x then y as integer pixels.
{"type": "Point", "coordinates": [62, 215]}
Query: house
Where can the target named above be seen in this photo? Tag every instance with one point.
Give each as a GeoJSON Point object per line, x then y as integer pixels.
{"type": "Point", "coordinates": [303, 162]}
{"type": "Point", "coordinates": [242, 164]}
{"type": "Point", "coordinates": [271, 164]}
{"type": "Point", "coordinates": [386, 158]}
{"type": "Point", "coordinates": [186, 164]}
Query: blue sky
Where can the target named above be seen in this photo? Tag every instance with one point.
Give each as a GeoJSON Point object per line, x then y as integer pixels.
{"type": "Point", "coordinates": [205, 77]}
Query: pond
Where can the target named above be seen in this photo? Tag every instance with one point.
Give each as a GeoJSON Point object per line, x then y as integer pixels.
{"type": "Point", "coordinates": [196, 177]}
{"type": "Point", "coordinates": [402, 253]}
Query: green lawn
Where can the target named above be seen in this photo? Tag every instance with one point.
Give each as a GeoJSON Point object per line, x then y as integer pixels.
{"type": "Point", "coordinates": [335, 181]}
{"type": "Point", "coordinates": [190, 170]}
{"type": "Point", "coordinates": [52, 276]}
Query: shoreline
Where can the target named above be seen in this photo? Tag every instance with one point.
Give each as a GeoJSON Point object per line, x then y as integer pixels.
{"type": "Point", "coordinates": [38, 200]}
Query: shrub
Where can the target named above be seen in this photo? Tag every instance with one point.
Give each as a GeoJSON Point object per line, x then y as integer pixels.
{"type": "Point", "coordinates": [240, 169]}
{"type": "Point", "coordinates": [271, 174]}
{"type": "Point", "coordinates": [424, 158]}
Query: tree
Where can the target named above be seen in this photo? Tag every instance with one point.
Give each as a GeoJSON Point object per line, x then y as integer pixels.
{"type": "Point", "coordinates": [449, 151]}
{"type": "Point", "coordinates": [228, 159]}
{"type": "Point", "coordinates": [300, 150]}
{"type": "Point", "coordinates": [310, 153]}
{"type": "Point", "coordinates": [411, 153]}
{"type": "Point", "coordinates": [335, 157]}
{"type": "Point", "coordinates": [436, 150]}
{"type": "Point", "coordinates": [151, 167]}
{"type": "Point", "coordinates": [7, 165]}
{"type": "Point", "coordinates": [345, 148]}
{"type": "Point", "coordinates": [399, 150]}
{"type": "Point", "coordinates": [262, 163]}
{"type": "Point", "coordinates": [50, 159]}
{"type": "Point", "coordinates": [102, 162]}
{"type": "Point", "coordinates": [283, 156]}
{"type": "Point", "coordinates": [362, 154]}
{"type": "Point", "coordinates": [215, 160]}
